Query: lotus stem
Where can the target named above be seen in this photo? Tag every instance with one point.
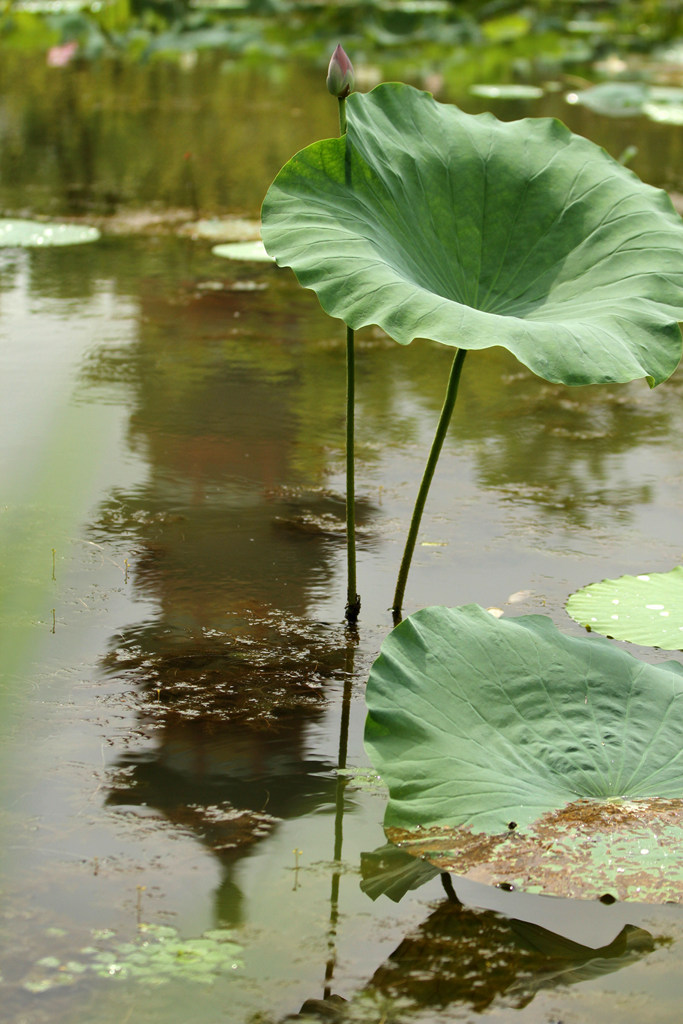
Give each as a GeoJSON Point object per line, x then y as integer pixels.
{"type": "Point", "coordinates": [342, 115]}
{"type": "Point", "coordinates": [435, 451]}
{"type": "Point", "coordinates": [352, 597]}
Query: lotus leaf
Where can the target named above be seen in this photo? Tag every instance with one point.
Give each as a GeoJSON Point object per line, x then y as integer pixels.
{"type": "Point", "coordinates": [475, 232]}
{"type": "Point", "coordinates": [516, 755]}
{"type": "Point", "coordinates": [37, 234]}
{"type": "Point", "coordinates": [645, 609]}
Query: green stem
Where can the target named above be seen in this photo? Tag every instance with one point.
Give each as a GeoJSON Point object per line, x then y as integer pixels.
{"type": "Point", "coordinates": [342, 115]}
{"type": "Point", "coordinates": [352, 598]}
{"type": "Point", "coordinates": [435, 451]}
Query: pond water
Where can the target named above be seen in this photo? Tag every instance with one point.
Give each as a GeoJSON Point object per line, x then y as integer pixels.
{"type": "Point", "coordinates": [179, 686]}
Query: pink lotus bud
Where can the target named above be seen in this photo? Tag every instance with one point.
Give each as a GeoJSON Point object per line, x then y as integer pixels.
{"type": "Point", "coordinates": [340, 74]}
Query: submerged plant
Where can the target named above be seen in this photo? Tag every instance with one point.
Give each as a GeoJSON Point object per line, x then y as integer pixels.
{"type": "Point", "coordinates": [157, 955]}
{"type": "Point", "coordinates": [471, 232]}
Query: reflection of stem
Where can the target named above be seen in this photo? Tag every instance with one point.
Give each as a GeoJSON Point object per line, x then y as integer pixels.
{"type": "Point", "coordinates": [447, 883]}
{"type": "Point", "coordinates": [352, 598]}
{"type": "Point", "coordinates": [339, 818]}
{"type": "Point", "coordinates": [297, 854]}
{"type": "Point", "coordinates": [435, 451]}
{"type": "Point", "coordinates": [138, 904]}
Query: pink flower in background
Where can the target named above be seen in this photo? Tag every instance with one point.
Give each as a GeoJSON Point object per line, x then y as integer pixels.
{"type": "Point", "coordinates": [60, 56]}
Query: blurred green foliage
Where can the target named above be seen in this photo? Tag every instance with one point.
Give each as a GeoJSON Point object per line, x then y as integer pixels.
{"type": "Point", "coordinates": [371, 29]}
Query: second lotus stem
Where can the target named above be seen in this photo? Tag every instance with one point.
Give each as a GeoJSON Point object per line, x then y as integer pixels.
{"type": "Point", "coordinates": [435, 451]}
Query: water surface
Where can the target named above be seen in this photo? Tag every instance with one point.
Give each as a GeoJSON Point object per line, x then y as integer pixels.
{"type": "Point", "coordinates": [177, 671]}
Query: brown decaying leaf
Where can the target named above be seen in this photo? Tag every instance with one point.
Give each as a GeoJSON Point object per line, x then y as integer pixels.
{"type": "Point", "coordinates": [629, 849]}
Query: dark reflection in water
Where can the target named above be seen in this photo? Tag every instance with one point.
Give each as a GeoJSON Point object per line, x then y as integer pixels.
{"type": "Point", "coordinates": [462, 958]}
{"type": "Point", "coordinates": [475, 957]}
{"type": "Point", "coordinates": [228, 786]}
{"type": "Point", "coordinates": [232, 535]}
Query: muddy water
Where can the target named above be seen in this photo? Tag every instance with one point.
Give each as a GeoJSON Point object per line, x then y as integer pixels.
{"type": "Point", "coordinates": [179, 687]}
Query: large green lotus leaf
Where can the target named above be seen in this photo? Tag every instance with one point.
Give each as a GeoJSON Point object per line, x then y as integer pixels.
{"type": "Point", "coordinates": [646, 609]}
{"type": "Point", "coordinates": [516, 755]}
{"type": "Point", "coordinates": [474, 232]}
{"type": "Point", "coordinates": [39, 234]}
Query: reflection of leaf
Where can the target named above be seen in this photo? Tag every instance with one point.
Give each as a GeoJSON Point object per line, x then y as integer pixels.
{"type": "Point", "coordinates": [646, 609]}
{"type": "Point", "coordinates": [474, 232]}
{"type": "Point", "coordinates": [473, 957]}
{"type": "Point", "coordinates": [515, 754]}
{"type": "Point", "coordinates": [389, 871]}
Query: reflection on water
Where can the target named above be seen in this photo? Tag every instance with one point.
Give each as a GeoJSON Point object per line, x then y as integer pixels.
{"type": "Point", "coordinates": [201, 681]}
{"type": "Point", "coordinates": [228, 788]}
{"type": "Point", "coordinates": [472, 957]}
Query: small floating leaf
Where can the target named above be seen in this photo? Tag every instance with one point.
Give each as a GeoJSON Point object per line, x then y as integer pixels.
{"type": "Point", "coordinates": [645, 609]}
{"type": "Point", "coordinates": [476, 722]}
{"type": "Point", "coordinates": [507, 92]}
{"type": "Point", "coordinates": [664, 113]}
{"type": "Point", "coordinates": [250, 251]}
{"type": "Point", "coordinates": [630, 99]}
{"type": "Point", "coordinates": [225, 229]}
{"type": "Point", "coordinates": [37, 234]}
{"type": "Point", "coordinates": [613, 99]}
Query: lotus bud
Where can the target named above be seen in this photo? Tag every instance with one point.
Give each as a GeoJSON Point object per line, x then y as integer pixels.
{"type": "Point", "coordinates": [340, 74]}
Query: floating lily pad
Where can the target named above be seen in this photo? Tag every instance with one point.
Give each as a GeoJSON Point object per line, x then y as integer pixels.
{"type": "Point", "coordinates": [507, 92]}
{"type": "Point", "coordinates": [646, 609]}
{"type": "Point", "coordinates": [631, 99]}
{"type": "Point", "coordinates": [225, 229]}
{"type": "Point", "coordinates": [613, 99]}
{"type": "Point", "coordinates": [253, 252]}
{"type": "Point", "coordinates": [664, 113]}
{"type": "Point", "coordinates": [516, 755]}
{"type": "Point", "coordinates": [33, 233]}
{"type": "Point", "coordinates": [474, 232]}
